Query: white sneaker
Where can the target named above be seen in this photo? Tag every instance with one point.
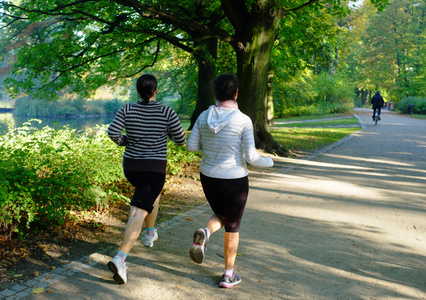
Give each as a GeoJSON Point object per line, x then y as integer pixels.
{"type": "Point", "coordinates": [118, 267]}
{"type": "Point", "coordinates": [148, 240]}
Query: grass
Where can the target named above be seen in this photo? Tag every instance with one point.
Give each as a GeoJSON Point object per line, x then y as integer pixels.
{"type": "Point", "coordinates": [419, 116]}
{"type": "Point", "coordinates": [337, 122]}
{"type": "Point", "coordinates": [304, 118]}
{"type": "Point", "coordinates": [310, 139]}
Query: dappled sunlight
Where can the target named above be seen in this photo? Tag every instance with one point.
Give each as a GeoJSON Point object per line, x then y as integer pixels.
{"type": "Point", "coordinates": [365, 159]}
{"type": "Point", "coordinates": [313, 249]}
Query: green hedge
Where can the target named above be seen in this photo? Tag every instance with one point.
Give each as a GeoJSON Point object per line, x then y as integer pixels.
{"type": "Point", "coordinates": [48, 174]}
{"type": "Point", "coordinates": [317, 110]}
{"type": "Point", "coordinates": [419, 105]}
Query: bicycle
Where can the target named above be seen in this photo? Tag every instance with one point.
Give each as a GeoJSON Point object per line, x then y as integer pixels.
{"type": "Point", "coordinates": [376, 117]}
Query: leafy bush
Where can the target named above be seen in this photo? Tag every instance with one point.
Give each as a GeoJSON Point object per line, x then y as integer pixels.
{"type": "Point", "coordinates": [419, 105]}
{"type": "Point", "coordinates": [178, 158]}
{"type": "Point", "coordinates": [112, 106]}
{"type": "Point", "coordinates": [48, 174]}
{"type": "Point", "coordinates": [318, 109]}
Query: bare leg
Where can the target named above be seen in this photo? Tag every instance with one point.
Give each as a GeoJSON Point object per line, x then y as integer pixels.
{"type": "Point", "coordinates": [152, 217]}
{"type": "Point", "coordinates": [214, 223]}
{"type": "Point", "coordinates": [231, 247]}
{"type": "Point", "coordinates": [133, 228]}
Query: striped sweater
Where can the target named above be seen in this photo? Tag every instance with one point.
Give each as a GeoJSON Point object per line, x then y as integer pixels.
{"type": "Point", "coordinates": [225, 137]}
{"type": "Point", "coordinates": [147, 126]}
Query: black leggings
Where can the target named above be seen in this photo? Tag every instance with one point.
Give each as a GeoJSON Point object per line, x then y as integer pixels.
{"type": "Point", "coordinates": [227, 198]}
{"type": "Point", "coordinates": [148, 186]}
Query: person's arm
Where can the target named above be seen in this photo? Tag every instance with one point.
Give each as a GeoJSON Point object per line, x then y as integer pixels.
{"type": "Point", "coordinates": [116, 127]}
{"type": "Point", "coordinates": [252, 156]}
{"type": "Point", "coordinates": [176, 132]}
{"type": "Point", "coordinates": [194, 140]}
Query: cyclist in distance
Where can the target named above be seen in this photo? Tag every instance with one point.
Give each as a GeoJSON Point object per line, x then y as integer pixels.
{"type": "Point", "coordinates": [377, 102]}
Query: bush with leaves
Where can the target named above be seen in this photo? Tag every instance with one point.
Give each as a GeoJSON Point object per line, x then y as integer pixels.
{"type": "Point", "coordinates": [46, 174]}
{"type": "Point", "coordinates": [419, 105]}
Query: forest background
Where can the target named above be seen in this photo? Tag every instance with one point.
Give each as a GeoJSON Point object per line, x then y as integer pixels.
{"type": "Point", "coordinates": [323, 60]}
{"type": "Point", "coordinates": [82, 58]}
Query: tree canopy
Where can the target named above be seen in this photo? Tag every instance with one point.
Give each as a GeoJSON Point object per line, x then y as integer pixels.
{"type": "Point", "coordinates": [82, 44]}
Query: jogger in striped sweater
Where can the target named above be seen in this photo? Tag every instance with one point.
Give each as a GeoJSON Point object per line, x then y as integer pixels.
{"type": "Point", "coordinates": [147, 124]}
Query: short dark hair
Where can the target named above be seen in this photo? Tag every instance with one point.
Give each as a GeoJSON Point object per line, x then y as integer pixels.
{"type": "Point", "coordinates": [146, 85]}
{"type": "Point", "coordinates": [225, 86]}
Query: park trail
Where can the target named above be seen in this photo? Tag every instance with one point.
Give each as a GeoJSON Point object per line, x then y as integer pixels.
{"type": "Point", "coordinates": [347, 223]}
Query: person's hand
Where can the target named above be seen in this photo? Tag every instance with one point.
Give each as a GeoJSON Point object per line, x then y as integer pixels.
{"type": "Point", "coordinates": [270, 161]}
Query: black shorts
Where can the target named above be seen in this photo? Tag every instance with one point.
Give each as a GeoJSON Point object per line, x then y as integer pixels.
{"type": "Point", "coordinates": [227, 198]}
{"type": "Point", "coordinates": [148, 186]}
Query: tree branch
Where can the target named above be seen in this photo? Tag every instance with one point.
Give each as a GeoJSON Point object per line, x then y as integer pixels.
{"type": "Point", "coordinates": [237, 13]}
{"type": "Point", "coordinates": [147, 66]}
{"type": "Point", "coordinates": [149, 12]}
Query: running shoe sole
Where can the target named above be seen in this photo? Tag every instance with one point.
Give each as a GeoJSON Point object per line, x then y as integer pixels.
{"type": "Point", "coordinates": [113, 268]}
{"type": "Point", "coordinates": [197, 250]}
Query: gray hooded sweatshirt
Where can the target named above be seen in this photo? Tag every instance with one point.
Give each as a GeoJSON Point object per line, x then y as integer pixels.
{"type": "Point", "coordinates": [225, 137]}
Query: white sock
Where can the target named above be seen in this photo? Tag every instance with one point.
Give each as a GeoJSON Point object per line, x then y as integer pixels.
{"type": "Point", "coordinates": [207, 232]}
{"type": "Point", "coordinates": [230, 273]}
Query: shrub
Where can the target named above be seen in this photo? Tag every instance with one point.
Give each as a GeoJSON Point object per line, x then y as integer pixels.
{"type": "Point", "coordinates": [112, 106]}
{"type": "Point", "coordinates": [419, 105]}
{"type": "Point", "coordinates": [47, 174]}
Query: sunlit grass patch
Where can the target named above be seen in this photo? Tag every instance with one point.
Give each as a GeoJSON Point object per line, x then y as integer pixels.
{"type": "Point", "coordinates": [336, 122]}
{"type": "Point", "coordinates": [310, 138]}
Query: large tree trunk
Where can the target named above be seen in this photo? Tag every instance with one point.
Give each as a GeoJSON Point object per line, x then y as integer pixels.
{"type": "Point", "coordinates": [254, 46]}
{"type": "Point", "coordinates": [206, 58]}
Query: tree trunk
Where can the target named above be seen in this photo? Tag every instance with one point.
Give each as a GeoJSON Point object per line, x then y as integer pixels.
{"type": "Point", "coordinates": [253, 49]}
{"type": "Point", "coordinates": [270, 98]}
{"type": "Point", "coordinates": [206, 59]}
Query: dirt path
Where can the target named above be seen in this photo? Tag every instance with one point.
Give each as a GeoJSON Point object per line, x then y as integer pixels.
{"type": "Point", "coordinates": [346, 224]}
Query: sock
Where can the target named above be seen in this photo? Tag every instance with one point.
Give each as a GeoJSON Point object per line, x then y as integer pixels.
{"type": "Point", "coordinates": [207, 232]}
{"type": "Point", "coordinates": [122, 255]}
{"type": "Point", "coordinates": [150, 231]}
{"type": "Point", "coordinates": [230, 273]}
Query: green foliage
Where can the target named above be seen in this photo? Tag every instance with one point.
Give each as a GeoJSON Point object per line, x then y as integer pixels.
{"type": "Point", "coordinates": [48, 174]}
{"type": "Point", "coordinates": [383, 44]}
{"type": "Point", "coordinates": [178, 158]}
{"type": "Point", "coordinates": [309, 94]}
{"type": "Point", "coordinates": [419, 105]}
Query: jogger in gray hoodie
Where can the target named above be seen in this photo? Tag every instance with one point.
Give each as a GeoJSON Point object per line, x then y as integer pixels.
{"type": "Point", "coordinates": [225, 136]}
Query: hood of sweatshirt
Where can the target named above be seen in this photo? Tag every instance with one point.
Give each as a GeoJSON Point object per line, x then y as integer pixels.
{"type": "Point", "coordinates": [219, 117]}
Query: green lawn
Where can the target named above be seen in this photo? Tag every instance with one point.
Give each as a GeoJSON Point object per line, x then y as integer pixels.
{"type": "Point", "coordinates": [336, 122]}
{"type": "Point", "coordinates": [310, 139]}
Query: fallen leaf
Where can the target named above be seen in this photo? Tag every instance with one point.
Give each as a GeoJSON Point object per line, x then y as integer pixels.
{"type": "Point", "coordinates": [38, 291]}
{"type": "Point", "coordinates": [190, 219]}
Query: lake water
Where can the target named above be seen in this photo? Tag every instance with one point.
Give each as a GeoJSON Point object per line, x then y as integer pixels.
{"type": "Point", "coordinates": [8, 119]}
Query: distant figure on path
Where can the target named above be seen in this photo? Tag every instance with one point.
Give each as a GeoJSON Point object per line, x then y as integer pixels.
{"type": "Point", "coordinates": [225, 136]}
{"type": "Point", "coordinates": [147, 124]}
{"type": "Point", "coordinates": [377, 102]}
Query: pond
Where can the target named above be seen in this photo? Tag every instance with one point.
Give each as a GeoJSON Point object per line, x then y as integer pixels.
{"type": "Point", "coordinates": [10, 120]}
